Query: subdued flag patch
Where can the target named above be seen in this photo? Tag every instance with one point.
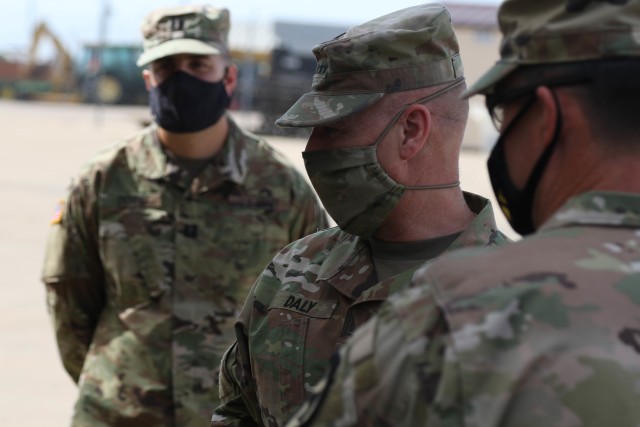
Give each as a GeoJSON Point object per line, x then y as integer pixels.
{"type": "Point", "coordinates": [56, 218]}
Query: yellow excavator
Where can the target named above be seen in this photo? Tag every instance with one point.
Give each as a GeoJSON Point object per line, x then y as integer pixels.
{"type": "Point", "coordinates": [58, 80]}
{"type": "Point", "coordinates": [105, 74]}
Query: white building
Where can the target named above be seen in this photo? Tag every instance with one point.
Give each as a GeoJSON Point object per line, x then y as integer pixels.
{"type": "Point", "coordinates": [476, 28]}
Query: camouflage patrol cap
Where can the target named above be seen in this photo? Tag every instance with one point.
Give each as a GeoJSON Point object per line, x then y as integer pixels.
{"type": "Point", "coordinates": [408, 49]}
{"type": "Point", "coordinates": [559, 31]}
{"type": "Point", "coordinates": [197, 29]}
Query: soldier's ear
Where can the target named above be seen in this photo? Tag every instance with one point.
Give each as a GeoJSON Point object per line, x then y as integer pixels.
{"type": "Point", "coordinates": [416, 125]}
{"type": "Point", "coordinates": [550, 110]}
{"type": "Point", "coordinates": [230, 78]}
{"type": "Point", "coordinates": [148, 79]}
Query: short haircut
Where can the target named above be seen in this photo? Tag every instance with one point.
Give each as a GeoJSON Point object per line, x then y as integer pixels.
{"type": "Point", "coordinates": [609, 91]}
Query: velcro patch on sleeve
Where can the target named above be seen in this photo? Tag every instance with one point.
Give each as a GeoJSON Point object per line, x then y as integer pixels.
{"type": "Point", "coordinates": [56, 218]}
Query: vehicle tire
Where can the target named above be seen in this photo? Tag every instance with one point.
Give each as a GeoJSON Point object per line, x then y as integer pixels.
{"type": "Point", "coordinates": [108, 90]}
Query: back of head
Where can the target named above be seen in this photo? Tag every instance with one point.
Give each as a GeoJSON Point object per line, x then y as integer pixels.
{"type": "Point", "coordinates": [405, 50]}
{"type": "Point", "coordinates": [577, 47]}
{"type": "Point", "coordinates": [195, 29]}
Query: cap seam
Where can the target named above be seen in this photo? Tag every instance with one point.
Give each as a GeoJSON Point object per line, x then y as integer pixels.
{"type": "Point", "coordinates": [449, 58]}
{"type": "Point", "coordinates": [431, 21]}
{"type": "Point", "coordinates": [394, 68]}
{"type": "Point", "coordinates": [371, 92]}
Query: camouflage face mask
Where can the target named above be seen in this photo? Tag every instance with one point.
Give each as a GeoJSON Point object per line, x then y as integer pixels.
{"type": "Point", "coordinates": [354, 188]}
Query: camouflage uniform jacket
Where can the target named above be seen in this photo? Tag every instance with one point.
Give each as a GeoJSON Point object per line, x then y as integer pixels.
{"type": "Point", "coordinates": [545, 332]}
{"type": "Point", "coordinates": [302, 308]}
{"type": "Point", "coordinates": [146, 271]}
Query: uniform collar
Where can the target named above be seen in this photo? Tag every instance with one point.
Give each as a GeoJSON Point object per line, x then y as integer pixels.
{"type": "Point", "coordinates": [352, 257]}
{"type": "Point", "coordinates": [482, 231]}
{"type": "Point", "coordinates": [597, 208]}
{"type": "Point", "coordinates": [230, 164]}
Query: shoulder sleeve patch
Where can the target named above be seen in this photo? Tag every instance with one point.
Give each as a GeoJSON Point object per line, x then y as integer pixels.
{"type": "Point", "coordinates": [56, 218]}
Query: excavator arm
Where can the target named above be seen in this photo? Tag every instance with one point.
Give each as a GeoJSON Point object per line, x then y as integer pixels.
{"type": "Point", "coordinates": [62, 73]}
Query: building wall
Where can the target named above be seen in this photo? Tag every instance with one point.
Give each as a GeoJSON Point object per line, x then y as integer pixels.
{"type": "Point", "coordinates": [477, 31]}
{"type": "Point", "coordinates": [479, 50]}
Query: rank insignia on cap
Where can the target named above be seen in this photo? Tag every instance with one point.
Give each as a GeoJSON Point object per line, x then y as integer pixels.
{"type": "Point", "coordinates": [56, 218]}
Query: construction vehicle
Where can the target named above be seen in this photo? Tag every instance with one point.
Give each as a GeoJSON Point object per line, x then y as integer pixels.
{"type": "Point", "coordinates": [56, 77]}
{"type": "Point", "coordinates": [289, 77]}
{"type": "Point", "coordinates": [278, 79]}
{"type": "Point", "coordinates": [104, 74]}
{"type": "Point", "coordinates": [108, 74]}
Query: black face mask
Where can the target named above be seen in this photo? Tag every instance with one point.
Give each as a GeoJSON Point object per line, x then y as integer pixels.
{"type": "Point", "coordinates": [517, 205]}
{"type": "Point", "coordinates": [184, 103]}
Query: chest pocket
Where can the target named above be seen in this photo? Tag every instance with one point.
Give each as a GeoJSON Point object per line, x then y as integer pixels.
{"type": "Point", "coordinates": [229, 247]}
{"type": "Point", "coordinates": [279, 348]}
{"type": "Point", "coordinates": [137, 252]}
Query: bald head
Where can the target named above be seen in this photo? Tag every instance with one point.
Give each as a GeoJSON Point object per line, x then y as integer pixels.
{"type": "Point", "coordinates": [608, 94]}
{"type": "Point", "coordinates": [449, 112]}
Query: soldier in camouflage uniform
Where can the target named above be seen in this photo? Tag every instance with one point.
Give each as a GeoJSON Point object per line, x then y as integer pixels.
{"type": "Point", "coordinates": [383, 156]}
{"type": "Point", "coordinates": [163, 234]}
{"type": "Point", "coordinates": [545, 332]}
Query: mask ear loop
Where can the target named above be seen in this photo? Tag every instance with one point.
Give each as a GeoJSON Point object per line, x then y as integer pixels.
{"type": "Point", "coordinates": [402, 109]}
{"type": "Point", "coordinates": [223, 80]}
{"type": "Point", "coordinates": [397, 116]}
{"type": "Point", "coordinates": [540, 167]}
{"type": "Point", "coordinates": [523, 223]}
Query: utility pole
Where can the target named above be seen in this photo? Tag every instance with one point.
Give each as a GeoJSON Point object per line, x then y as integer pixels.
{"type": "Point", "coordinates": [31, 16]}
{"type": "Point", "coordinates": [103, 21]}
{"type": "Point", "coordinates": [105, 14]}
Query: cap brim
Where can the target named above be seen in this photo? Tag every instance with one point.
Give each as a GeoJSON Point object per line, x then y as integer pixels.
{"type": "Point", "coordinates": [174, 47]}
{"type": "Point", "coordinates": [489, 79]}
{"type": "Point", "coordinates": [316, 109]}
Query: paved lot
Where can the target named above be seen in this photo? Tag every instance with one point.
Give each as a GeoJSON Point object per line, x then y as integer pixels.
{"type": "Point", "coordinates": [43, 145]}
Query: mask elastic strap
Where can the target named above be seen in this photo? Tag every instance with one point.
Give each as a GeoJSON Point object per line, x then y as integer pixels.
{"type": "Point", "coordinates": [541, 165]}
{"type": "Point", "coordinates": [402, 109]}
{"type": "Point", "coordinates": [397, 117]}
{"type": "Point", "coordinates": [433, 187]}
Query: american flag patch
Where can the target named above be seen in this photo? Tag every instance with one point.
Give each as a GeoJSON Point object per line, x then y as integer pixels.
{"type": "Point", "coordinates": [56, 218]}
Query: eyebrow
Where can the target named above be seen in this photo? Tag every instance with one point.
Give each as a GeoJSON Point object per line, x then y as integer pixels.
{"type": "Point", "coordinates": [173, 58]}
{"type": "Point", "coordinates": [198, 56]}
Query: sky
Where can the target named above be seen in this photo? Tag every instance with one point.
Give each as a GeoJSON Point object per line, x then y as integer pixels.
{"type": "Point", "coordinates": [77, 22]}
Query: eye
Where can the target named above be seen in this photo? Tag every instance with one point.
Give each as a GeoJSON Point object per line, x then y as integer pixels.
{"type": "Point", "coordinates": [496, 111]}
{"type": "Point", "coordinates": [197, 62]}
{"type": "Point", "coordinates": [200, 63]}
{"type": "Point", "coordinates": [332, 132]}
{"type": "Point", "coordinates": [163, 68]}
{"type": "Point", "coordinates": [162, 65]}
{"type": "Point", "coordinates": [497, 116]}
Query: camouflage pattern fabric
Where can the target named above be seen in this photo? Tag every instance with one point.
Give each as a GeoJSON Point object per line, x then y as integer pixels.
{"type": "Point", "coordinates": [146, 271]}
{"type": "Point", "coordinates": [196, 29]}
{"type": "Point", "coordinates": [408, 49]}
{"type": "Point", "coordinates": [559, 31]}
{"type": "Point", "coordinates": [543, 332]}
{"type": "Point", "coordinates": [306, 304]}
